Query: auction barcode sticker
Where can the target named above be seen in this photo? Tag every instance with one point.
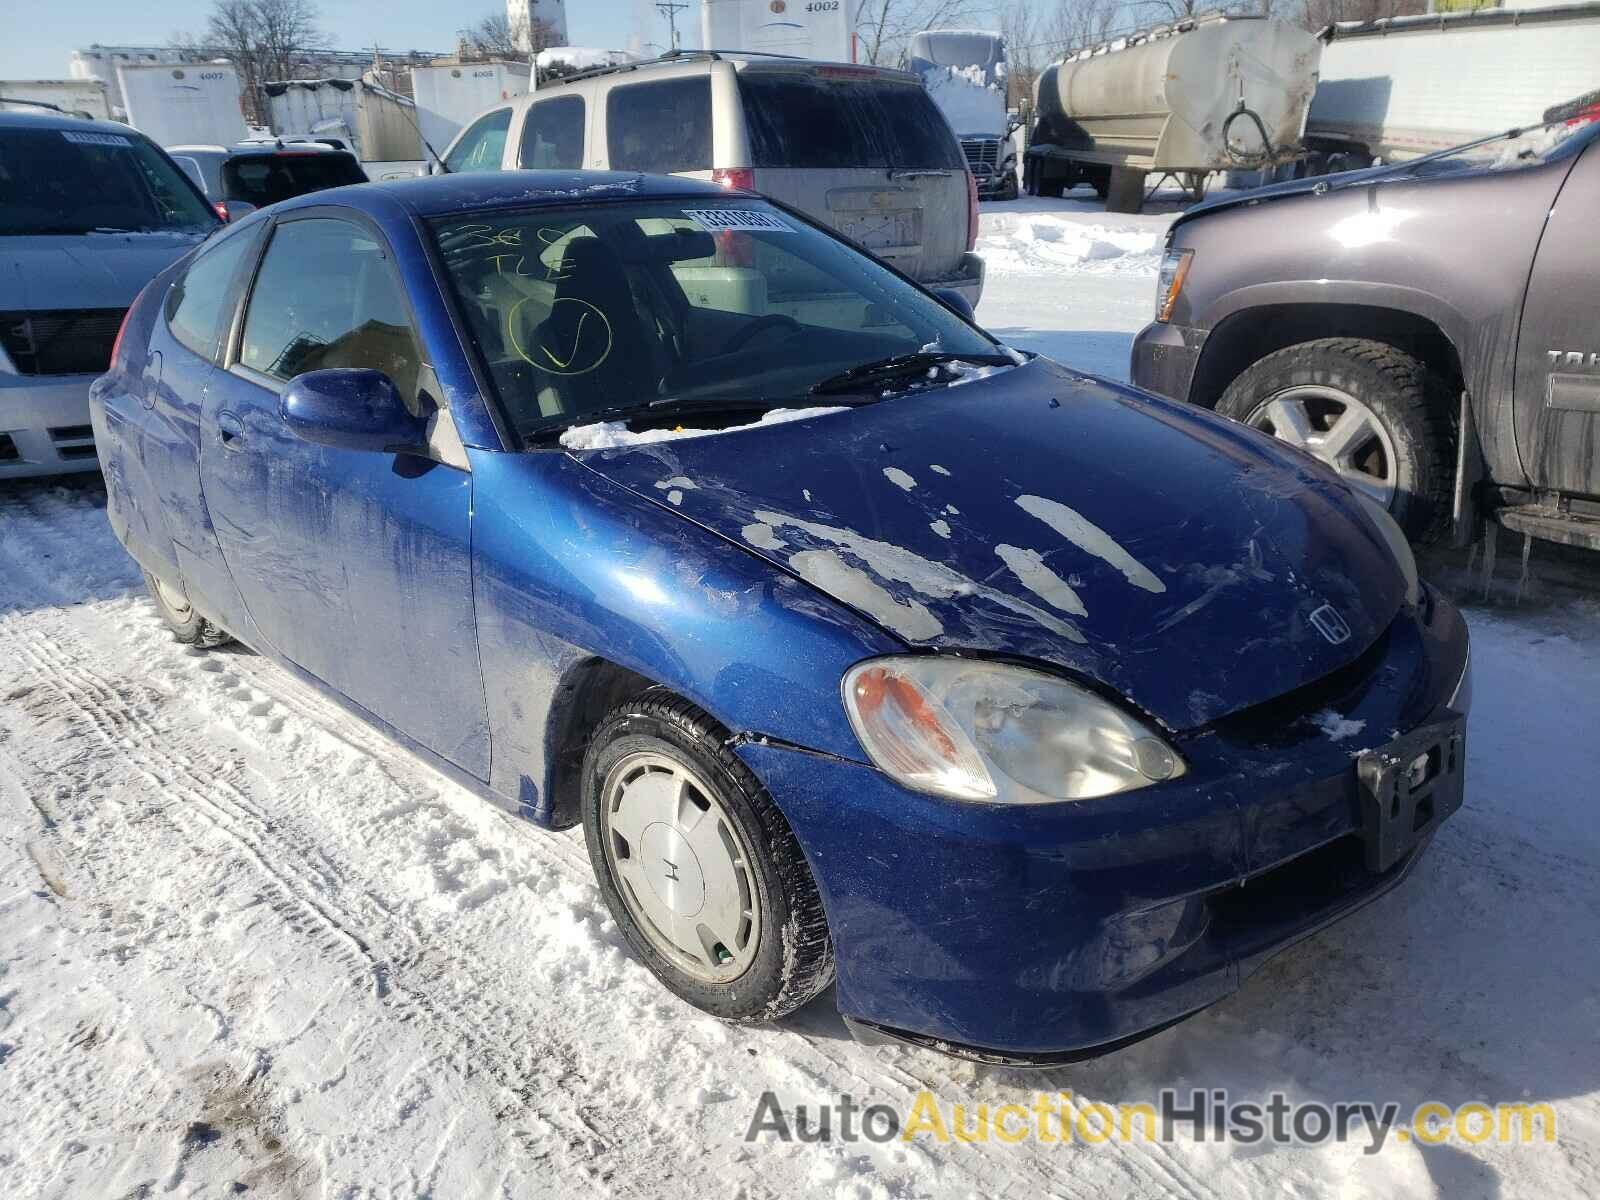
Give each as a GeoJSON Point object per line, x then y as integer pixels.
{"type": "Point", "coordinates": [715, 220]}
{"type": "Point", "coordinates": [95, 139]}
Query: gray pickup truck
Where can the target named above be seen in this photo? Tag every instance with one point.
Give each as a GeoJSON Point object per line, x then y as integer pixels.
{"type": "Point", "coordinates": [1429, 330]}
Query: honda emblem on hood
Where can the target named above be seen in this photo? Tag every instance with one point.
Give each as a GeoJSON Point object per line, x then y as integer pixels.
{"type": "Point", "coordinates": [1331, 625]}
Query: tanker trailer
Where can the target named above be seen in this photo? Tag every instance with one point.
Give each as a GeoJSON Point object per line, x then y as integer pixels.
{"type": "Point", "coordinates": [1216, 93]}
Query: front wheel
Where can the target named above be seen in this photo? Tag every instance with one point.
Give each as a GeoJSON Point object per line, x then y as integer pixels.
{"type": "Point", "coordinates": [186, 622]}
{"type": "Point", "coordinates": [1376, 415]}
{"type": "Point", "coordinates": [699, 868]}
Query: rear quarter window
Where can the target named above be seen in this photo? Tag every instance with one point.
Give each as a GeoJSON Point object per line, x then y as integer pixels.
{"type": "Point", "coordinates": [660, 127]}
{"type": "Point", "coordinates": [552, 135]}
{"type": "Point", "coordinates": [810, 120]}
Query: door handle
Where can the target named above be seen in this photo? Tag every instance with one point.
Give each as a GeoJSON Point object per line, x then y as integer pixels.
{"type": "Point", "coordinates": [230, 431]}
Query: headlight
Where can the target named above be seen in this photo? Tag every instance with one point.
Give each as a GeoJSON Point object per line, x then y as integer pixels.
{"type": "Point", "coordinates": [1399, 546]}
{"type": "Point", "coordinates": [1174, 270]}
{"type": "Point", "coordinates": [974, 730]}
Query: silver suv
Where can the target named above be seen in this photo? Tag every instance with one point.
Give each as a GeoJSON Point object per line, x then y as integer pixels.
{"type": "Point", "coordinates": [90, 212]}
{"type": "Point", "coordinates": [861, 149]}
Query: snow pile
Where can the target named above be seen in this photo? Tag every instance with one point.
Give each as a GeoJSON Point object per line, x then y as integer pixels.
{"type": "Point", "coordinates": [580, 58]}
{"type": "Point", "coordinates": [1030, 242]}
{"type": "Point", "coordinates": [1336, 727]}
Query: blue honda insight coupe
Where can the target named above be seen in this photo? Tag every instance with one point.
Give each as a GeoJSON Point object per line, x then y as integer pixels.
{"type": "Point", "coordinates": [1037, 710]}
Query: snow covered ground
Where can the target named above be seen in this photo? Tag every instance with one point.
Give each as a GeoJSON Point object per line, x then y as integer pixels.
{"type": "Point", "coordinates": [246, 944]}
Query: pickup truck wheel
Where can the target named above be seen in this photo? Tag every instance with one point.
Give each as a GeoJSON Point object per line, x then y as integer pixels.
{"type": "Point", "coordinates": [185, 621]}
{"type": "Point", "coordinates": [1372, 413]}
{"type": "Point", "coordinates": [699, 868]}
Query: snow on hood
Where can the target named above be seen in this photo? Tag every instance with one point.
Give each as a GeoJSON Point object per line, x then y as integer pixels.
{"type": "Point", "coordinates": [604, 435]}
{"type": "Point", "coordinates": [1161, 551]}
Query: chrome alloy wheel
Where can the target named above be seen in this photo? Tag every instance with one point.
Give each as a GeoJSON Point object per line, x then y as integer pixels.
{"type": "Point", "coordinates": [1335, 427]}
{"type": "Point", "coordinates": [177, 605]}
{"type": "Point", "coordinates": [682, 867]}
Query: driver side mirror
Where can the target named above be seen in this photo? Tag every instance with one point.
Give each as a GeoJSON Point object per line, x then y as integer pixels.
{"type": "Point", "coordinates": [352, 409]}
{"type": "Point", "coordinates": [956, 303]}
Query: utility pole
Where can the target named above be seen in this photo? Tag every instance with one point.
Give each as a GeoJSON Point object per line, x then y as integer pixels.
{"type": "Point", "coordinates": [670, 10]}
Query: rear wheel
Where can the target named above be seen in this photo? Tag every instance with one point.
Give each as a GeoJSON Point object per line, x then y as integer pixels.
{"type": "Point", "coordinates": [698, 867]}
{"type": "Point", "coordinates": [1373, 413]}
{"type": "Point", "coordinates": [181, 616]}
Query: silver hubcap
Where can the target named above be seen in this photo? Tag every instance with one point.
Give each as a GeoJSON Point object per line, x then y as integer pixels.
{"type": "Point", "coordinates": [176, 604]}
{"type": "Point", "coordinates": [682, 868]}
{"type": "Point", "coordinates": [1337, 428]}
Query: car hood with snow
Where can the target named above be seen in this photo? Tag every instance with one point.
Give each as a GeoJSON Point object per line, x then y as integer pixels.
{"type": "Point", "coordinates": [1160, 551]}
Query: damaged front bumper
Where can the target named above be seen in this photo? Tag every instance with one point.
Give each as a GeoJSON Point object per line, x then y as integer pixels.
{"type": "Point", "coordinates": [1049, 933]}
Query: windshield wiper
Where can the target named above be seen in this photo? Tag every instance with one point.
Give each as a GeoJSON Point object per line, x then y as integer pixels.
{"type": "Point", "coordinates": [899, 366]}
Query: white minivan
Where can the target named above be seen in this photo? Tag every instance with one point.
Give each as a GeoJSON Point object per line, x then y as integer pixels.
{"type": "Point", "coordinates": [861, 149]}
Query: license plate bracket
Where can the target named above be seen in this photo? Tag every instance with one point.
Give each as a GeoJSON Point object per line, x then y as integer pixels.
{"type": "Point", "coordinates": [1408, 787]}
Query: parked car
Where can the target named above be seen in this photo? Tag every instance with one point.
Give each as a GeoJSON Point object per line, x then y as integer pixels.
{"type": "Point", "coordinates": [1428, 330]}
{"type": "Point", "coordinates": [861, 149]}
{"type": "Point", "coordinates": [1038, 709]}
{"type": "Point", "coordinates": [240, 179]}
{"type": "Point", "coordinates": [90, 211]}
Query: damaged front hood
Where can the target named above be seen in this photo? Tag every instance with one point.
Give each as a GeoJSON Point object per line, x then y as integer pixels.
{"type": "Point", "coordinates": [1161, 551]}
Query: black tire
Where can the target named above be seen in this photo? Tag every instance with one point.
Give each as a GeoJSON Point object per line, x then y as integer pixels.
{"type": "Point", "coordinates": [793, 961]}
{"type": "Point", "coordinates": [1052, 188]}
{"type": "Point", "coordinates": [1010, 190]}
{"type": "Point", "coordinates": [186, 622]}
{"type": "Point", "coordinates": [1414, 405]}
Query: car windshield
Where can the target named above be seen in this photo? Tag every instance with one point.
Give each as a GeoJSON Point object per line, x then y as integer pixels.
{"type": "Point", "coordinates": [263, 179]}
{"type": "Point", "coordinates": [704, 303]}
{"type": "Point", "coordinates": [73, 181]}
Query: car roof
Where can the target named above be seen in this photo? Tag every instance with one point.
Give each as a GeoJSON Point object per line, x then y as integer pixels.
{"type": "Point", "coordinates": [741, 60]}
{"type": "Point", "coordinates": [11, 118]}
{"type": "Point", "coordinates": [437, 195]}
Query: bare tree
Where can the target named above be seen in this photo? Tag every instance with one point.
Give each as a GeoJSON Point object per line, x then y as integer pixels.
{"type": "Point", "coordinates": [1078, 24]}
{"type": "Point", "coordinates": [493, 37]}
{"type": "Point", "coordinates": [262, 38]}
{"type": "Point", "coordinates": [1025, 54]}
{"type": "Point", "coordinates": [286, 28]}
{"type": "Point", "coordinates": [1315, 14]}
{"type": "Point", "coordinates": [885, 27]}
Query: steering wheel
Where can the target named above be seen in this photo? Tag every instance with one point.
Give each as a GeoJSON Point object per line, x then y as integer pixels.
{"type": "Point", "coordinates": [760, 324]}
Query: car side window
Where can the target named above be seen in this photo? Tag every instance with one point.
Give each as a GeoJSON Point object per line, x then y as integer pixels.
{"type": "Point", "coordinates": [483, 145]}
{"type": "Point", "coordinates": [197, 306]}
{"type": "Point", "coordinates": [661, 127]}
{"type": "Point", "coordinates": [327, 296]}
{"type": "Point", "coordinates": [552, 135]}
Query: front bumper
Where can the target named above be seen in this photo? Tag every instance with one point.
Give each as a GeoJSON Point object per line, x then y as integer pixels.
{"type": "Point", "coordinates": [1164, 359]}
{"type": "Point", "coordinates": [44, 425]}
{"type": "Point", "coordinates": [1054, 932]}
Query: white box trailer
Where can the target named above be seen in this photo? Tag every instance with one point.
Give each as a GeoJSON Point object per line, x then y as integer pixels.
{"type": "Point", "coordinates": [1397, 88]}
{"type": "Point", "coordinates": [803, 28]}
{"type": "Point", "coordinates": [448, 97]}
{"type": "Point", "coordinates": [188, 104]}
{"type": "Point", "coordinates": [381, 125]}
{"type": "Point", "coordinates": [86, 96]}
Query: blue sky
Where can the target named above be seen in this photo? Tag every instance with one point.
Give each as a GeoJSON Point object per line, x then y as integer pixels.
{"type": "Point", "coordinates": [37, 47]}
